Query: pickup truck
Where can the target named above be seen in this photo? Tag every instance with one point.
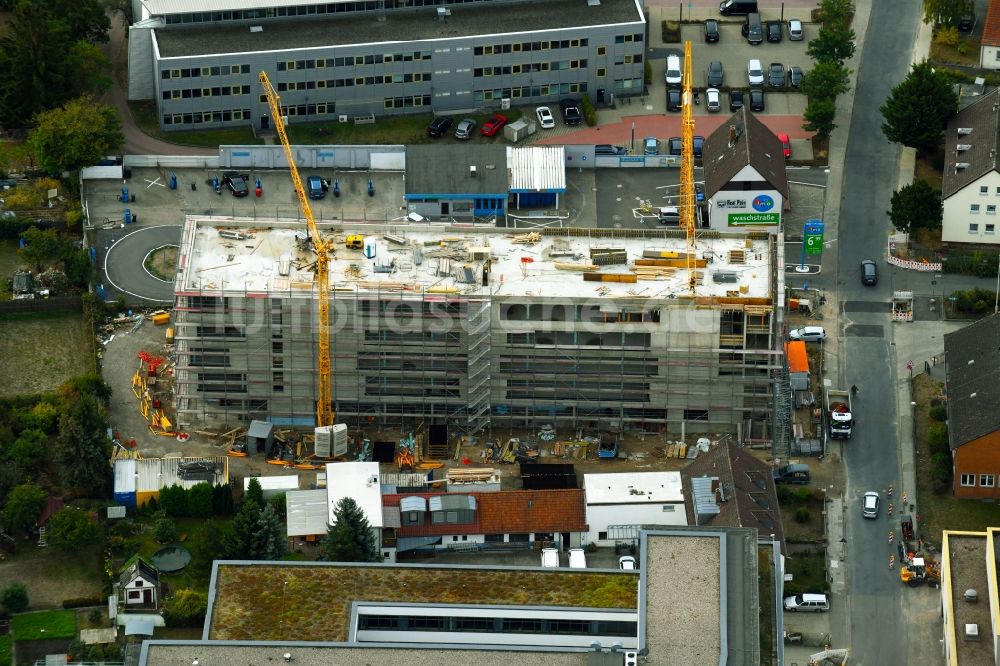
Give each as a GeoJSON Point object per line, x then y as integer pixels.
{"type": "Point", "coordinates": [839, 417]}
{"type": "Point", "coordinates": [571, 112]}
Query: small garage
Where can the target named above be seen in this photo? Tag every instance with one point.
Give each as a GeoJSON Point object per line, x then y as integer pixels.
{"type": "Point", "coordinates": [537, 176]}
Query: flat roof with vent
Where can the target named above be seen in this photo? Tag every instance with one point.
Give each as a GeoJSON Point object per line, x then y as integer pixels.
{"type": "Point", "coordinates": [466, 20]}
{"type": "Point", "coordinates": [633, 488]}
{"type": "Point", "coordinates": [963, 567]}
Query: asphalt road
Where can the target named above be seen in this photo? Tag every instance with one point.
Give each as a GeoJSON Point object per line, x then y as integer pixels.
{"type": "Point", "coordinates": [123, 252]}
{"type": "Point", "coordinates": [866, 355]}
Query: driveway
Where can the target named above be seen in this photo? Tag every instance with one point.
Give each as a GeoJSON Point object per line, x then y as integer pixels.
{"type": "Point", "coordinates": [137, 142]}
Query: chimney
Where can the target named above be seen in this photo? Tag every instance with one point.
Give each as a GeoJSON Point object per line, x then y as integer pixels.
{"type": "Point", "coordinates": [732, 135]}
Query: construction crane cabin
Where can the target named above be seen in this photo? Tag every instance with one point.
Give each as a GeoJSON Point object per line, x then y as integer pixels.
{"type": "Point", "coordinates": [324, 405]}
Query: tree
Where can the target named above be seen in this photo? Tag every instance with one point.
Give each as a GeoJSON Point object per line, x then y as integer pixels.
{"type": "Point", "coordinates": [70, 529]}
{"type": "Point", "coordinates": [834, 43]}
{"type": "Point", "coordinates": [78, 267]}
{"type": "Point", "coordinates": [33, 59]}
{"type": "Point", "coordinates": [173, 500]}
{"type": "Point", "coordinates": [83, 449]}
{"type": "Point", "coordinates": [80, 132]}
{"type": "Point", "coordinates": [919, 108]}
{"type": "Point", "coordinates": [254, 493]}
{"type": "Point", "coordinates": [915, 206]}
{"type": "Point", "coordinates": [269, 541]}
{"type": "Point", "coordinates": [835, 12]}
{"type": "Point", "coordinates": [819, 116]}
{"type": "Point", "coordinates": [199, 500]}
{"type": "Point", "coordinates": [239, 542]}
{"type": "Point", "coordinates": [222, 500]}
{"type": "Point", "coordinates": [24, 506]}
{"type": "Point", "coordinates": [41, 246]}
{"type": "Point", "coordinates": [28, 451]}
{"type": "Point", "coordinates": [14, 598]}
{"type": "Point", "coordinates": [165, 531]}
{"type": "Point", "coordinates": [947, 12]}
{"type": "Point", "coordinates": [85, 20]}
{"type": "Point", "coordinates": [208, 546]}
{"type": "Point", "coordinates": [826, 79]}
{"type": "Point", "coordinates": [91, 67]}
{"type": "Point", "coordinates": [350, 538]}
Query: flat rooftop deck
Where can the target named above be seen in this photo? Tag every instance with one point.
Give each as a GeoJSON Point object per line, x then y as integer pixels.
{"type": "Point", "coordinates": [684, 573]}
{"type": "Point", "coordinates": [439, 260]}
{"type": "Point", "coordinates": [464, 21]}
{"type": "Point", "coordinates": [967, 568]}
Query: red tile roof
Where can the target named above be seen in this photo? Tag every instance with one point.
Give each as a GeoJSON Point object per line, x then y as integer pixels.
{"type": "Point", "coordinates": [991, 29]}
{"type": "Point", "coordinates": [509, 512]}
{"type": "Point", "coordinates": [520, 511]}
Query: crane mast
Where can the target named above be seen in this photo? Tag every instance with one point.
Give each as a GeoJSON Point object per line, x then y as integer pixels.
{"type": "Point", "coordinates": [324, 404]}
{"type": "Point", "coordinates": [687, 204]}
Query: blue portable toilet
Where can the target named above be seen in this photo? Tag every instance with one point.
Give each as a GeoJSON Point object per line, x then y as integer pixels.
{"type": "Point", "coordinates": [128, 216]}
{"type": "Point", "coordinates": [370, 247]}
{"type": "Point", "coordinates": [93, 254]}
{"type": "Point", "coordinates": [173, 181]}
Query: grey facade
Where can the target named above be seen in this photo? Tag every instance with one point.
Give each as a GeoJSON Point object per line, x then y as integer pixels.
{"type": "Point", "coordinates": [205, 74]}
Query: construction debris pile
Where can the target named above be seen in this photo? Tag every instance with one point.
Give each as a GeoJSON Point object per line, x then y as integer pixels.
{"type": "Point", "coordinates": [514, 451]}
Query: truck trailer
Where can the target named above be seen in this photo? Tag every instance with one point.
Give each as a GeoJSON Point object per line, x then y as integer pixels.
{"type": "Point", "coordinates": [839, 417]}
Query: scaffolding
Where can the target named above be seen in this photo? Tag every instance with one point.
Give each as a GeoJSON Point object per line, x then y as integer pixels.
{"type": "Point", "coordinates": [467, 356]}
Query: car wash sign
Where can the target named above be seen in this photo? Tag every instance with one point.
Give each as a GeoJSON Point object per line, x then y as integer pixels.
{"type": "Point", "coordinates": [749, 210]}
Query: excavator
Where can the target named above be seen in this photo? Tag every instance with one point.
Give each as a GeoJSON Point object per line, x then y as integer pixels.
{"type": "Point", "coordinates": [916, 571]}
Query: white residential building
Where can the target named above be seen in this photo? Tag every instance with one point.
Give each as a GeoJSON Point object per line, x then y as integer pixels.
{"type": "Point", "coordinates": [359, 481]}
{"type": "Point", "coordinates": [970, 185]}
{"type": "Point", "coordinates": [618, 505]}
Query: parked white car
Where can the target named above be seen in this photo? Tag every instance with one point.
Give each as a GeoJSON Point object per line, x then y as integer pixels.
{"type": "Point", "coordinates": [755, 73]}
{"type": "Point", "coordinates": [545, 118]}
{"type": "Point", "coordinates": [808, 334]}
{"type": "Point", "coordinates": [627, 563]}
{"type": "Point", "coordinates": [713, 100]}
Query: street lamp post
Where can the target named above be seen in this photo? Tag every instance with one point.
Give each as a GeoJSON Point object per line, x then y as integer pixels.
{"type": "Point", "coordinates": [996, 297]}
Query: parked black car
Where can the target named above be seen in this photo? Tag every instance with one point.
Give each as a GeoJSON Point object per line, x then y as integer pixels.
{"type": "Point", "coordinates": [236, 182]}
{"type": "Point", "coordinates": [571, 111]}
{"type": "Point", "coordinates": [756, 99]}
{"type": "Point", "coordinates": [735, 100]}
{"type": "Point", "coordinates": [774, 31]}
{"type": "Point", "coordinates": [711, 31]}
{"type": "Point", "coordinates": [714, 75]}
{"type": "Point", "coordinates": [776, 75]}
{"type": "Point", "coordinates": [439, 126]}
{"type": "Point", "coordinates": [673, 100]}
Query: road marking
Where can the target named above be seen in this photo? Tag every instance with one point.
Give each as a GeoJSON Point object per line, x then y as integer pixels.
{"type": "Point", "coordinates": [811, 269]}
{"type": "Point", "coordinates": [153, 182]}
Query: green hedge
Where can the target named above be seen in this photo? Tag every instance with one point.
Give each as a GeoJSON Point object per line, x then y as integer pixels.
{"type": "Point", "coordinates": [82, 602]}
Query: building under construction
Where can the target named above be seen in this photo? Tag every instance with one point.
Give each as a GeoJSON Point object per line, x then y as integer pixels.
{"type": "Point", "coordinates": [577, 328]}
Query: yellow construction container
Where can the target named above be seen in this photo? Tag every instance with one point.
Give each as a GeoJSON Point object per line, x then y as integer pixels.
{"type": "Point", "coordinates": [160, 317]}
{"type": "Point", "coordinates": [142, 497]}
{"type": "Point", "coordinates": [355, 242]}
{"type": "Point", "coordinates": [170, 335]}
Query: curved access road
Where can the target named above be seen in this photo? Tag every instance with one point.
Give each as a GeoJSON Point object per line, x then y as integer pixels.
{"type": "Point", "coordinates": [124, 264]}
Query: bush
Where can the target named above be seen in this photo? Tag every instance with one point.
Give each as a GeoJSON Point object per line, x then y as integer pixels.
{"type": "Point", "coordinates": [14, 598]}
{"type": "Point", "coordinates": [975, 301]}
{"type": "Point", "coordinates": [186, 608]}
{"type": "Point", "coordinates": [947, 36]}
{"type": "Point", "coordinates": [165, 531]}
{"type": "Point", "coordinates": [173, 500]}
{"type": "Point", "coordinates": [802, 515]}
{"type": "Point", "coordinates": [980, 264]}
{"type": "Point", "coordinates": [803, 494]}
{"type": "Point", "coordinates": [937, 439]}
{"type": "Point", "coordinates": [94, 616]}
{"type": "Point", "coordinates": [647, 76]}
{"type": "Point", "coordinates": [589, 112]}
{"type": "Point", "coordinates": [938, 413]}
{"type": "Point", "coordinates": [82, 602]}
{"type": "Point", "coordinates": [670, 31]}
{"type": "Point", "coordinates": [199, 501]}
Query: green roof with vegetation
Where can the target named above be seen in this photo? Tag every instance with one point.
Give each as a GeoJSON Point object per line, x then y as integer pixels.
{"type": "Point", "coordinates": [269, 602]}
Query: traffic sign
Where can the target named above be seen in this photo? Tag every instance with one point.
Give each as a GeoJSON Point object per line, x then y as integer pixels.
{"type": "Point", "coordinates": [812, 239]}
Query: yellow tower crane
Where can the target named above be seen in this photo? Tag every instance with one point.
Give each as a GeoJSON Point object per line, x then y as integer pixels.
{"type": "Point", "coordinates": [324, 406]}
{"type": "Point", "coordinates": [687, 205]}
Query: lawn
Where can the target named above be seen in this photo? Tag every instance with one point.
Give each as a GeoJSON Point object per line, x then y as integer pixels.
{"type": "Point", "coordinates": [808, 570]}
{"type": "Point", "coordinates": [44, 625]}
{"type": "Point", "coordinates": [939, 512]}
{"type": "Point", "coordinates": [942, 53]}
{"type": "Point", "coordinates": [144, 114]}
{"type": "Point", "coordinates": [5, 645]}
{"type": "Point", "coordinates": [58, 350]}
{"type": "Point", "coordinates": [52, 575]}
{"type": "Point", "coordinates": [312, 603]}
{"type": "Point", "coordinates": [810, 531]}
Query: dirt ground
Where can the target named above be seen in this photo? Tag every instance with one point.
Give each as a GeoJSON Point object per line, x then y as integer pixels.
{"type": "Point", "coordinates": [38, 354]}
{"type": "Point", "coordinates": [51, 575]}
{"type": "Point", "coordinates": [28, 652]}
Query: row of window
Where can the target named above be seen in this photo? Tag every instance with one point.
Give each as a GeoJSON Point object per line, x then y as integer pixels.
{"type": "Point", "coordinates": [975, 209]}
{"type": "Point", "coordinates": [406, 102]}
{"type": "Point", "coordinates": [491, 625]}
{"type": "Point", "coordinates": [988, 229]}
{"type": "Point", "coordinates": [581, 313]}
{"type": "Point", "coordinates": [984, 190]}
{"type": "Point", "coordinates": [531, 67]}
{"type": "Point", "coordinates": [217, 91]}
{"type": "Point", "coordinates": [272, 12]}
{"type": "Point", "coordinates": [380, 79]}
{"type": "Point", "coordinates": [200, 117]}
{"type": "Point", "coordinates": [519, 47]}
{"type": "Point", "coordinates": [352, 61]}
{"type": "Point", "coordinates": [529, 91]}
{"type": "Point", "coordinates": [985, 480]}
{"type": "Point", "coordinates": [187, 73]}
